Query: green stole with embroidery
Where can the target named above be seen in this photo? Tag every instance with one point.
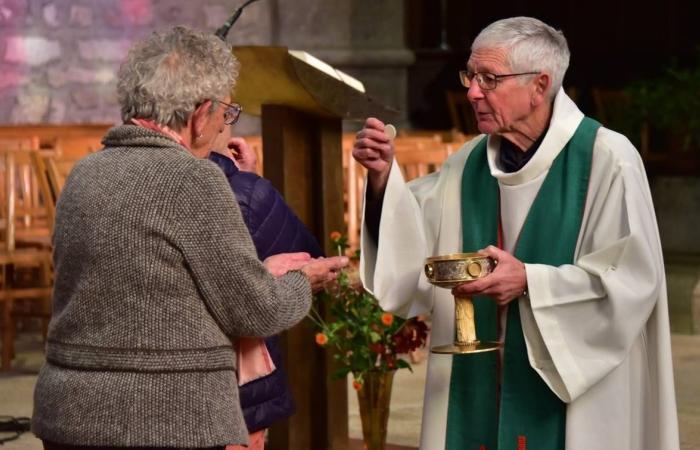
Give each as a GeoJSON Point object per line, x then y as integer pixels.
{"type": "Point", "coordinates": [530, 416]}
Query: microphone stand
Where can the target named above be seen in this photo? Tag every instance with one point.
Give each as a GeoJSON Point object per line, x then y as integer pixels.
{"type": "Point", "coordinates": [223, 30]}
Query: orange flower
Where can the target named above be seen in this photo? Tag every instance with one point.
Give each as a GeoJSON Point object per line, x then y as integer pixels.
{"type": "Point", "coordinates": [321, 339]}
{"type": "Point", "coordinates": [335, 235]}
{"type": "Point", "coordinates": [356, 385]}
{"type": "Point", "coordinates": [387, 319]}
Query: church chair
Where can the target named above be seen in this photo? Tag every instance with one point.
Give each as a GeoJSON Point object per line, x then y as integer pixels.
{"type": "Point", "coordinates": [419, 159]}
{"type": "Point", "coordinates": [416, 155]}
{"type": "Point", "coordinates": [461, 112]}
{"type": "Point", "coordinates": [25, 272]}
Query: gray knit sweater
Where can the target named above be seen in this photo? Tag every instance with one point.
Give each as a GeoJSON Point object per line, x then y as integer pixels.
{"type": "Point", "coordinates": [155, 274]}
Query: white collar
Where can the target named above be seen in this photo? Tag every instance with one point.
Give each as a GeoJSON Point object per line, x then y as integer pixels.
{"type": "Point", "coordinates": [566, 118]}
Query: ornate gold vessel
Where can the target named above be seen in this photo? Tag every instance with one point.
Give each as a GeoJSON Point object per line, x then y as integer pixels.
{"type": "Point", "coordinates": [452, 270]}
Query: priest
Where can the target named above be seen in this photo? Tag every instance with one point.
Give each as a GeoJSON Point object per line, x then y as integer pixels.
{"type": "Point", "coordinates": [578, 295]}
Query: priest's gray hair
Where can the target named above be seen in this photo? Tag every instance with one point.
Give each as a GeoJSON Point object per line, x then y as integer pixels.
{"type": "Point", "coordinates": [532, 45]}
{"type": "Point", "coordinates": [168, 74]}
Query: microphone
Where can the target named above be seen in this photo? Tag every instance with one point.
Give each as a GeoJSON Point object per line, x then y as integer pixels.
{"type": "Point", "coordinates": [223, 30]}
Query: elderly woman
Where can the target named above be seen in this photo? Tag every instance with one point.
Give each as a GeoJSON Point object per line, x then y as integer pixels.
{"type": "Point", "coordinates": [156, 273]}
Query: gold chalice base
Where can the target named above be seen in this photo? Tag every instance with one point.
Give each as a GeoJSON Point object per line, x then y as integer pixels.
{"type": "Point", "coordinates": [473, 347]}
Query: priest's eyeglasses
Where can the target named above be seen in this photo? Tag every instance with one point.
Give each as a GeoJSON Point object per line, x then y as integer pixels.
{"type": "Point", "coordinates": [232, 112]}
{"type": "Point", "coordinates": [486, 81]}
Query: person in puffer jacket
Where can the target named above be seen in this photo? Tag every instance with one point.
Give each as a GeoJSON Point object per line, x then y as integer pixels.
{"type": "Point", "coordinates": [275, 229]}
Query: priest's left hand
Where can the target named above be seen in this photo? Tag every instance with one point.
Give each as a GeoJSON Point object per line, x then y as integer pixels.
{"type": "Point", "coordinates": [507, 282]}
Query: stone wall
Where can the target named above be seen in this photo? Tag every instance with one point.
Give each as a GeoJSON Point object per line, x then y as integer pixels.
{"type": "Point", "coordinates": [58, 58]}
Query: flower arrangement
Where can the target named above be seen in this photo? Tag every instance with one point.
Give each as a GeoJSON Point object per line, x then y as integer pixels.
{"type": "Point", "coordinates": [367, 338]}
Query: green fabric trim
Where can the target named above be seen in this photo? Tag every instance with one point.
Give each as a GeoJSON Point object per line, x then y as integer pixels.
{"type": "Point", "coordinates": [530, 415]}
{"type": "Point", "coordinates": [472, 417]}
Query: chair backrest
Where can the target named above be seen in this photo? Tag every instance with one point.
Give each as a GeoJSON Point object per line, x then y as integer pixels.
{"type": "Point", "coordinates": [416, 155]}
{"type": "Point", "coordinates": [56, 177]}
{"type": "Point", "coordinates": [48, 184]}
{"type": "Point", "coordinates": [76, 140]}
{"type": "Point", "coordinates": [461, 112]}
{"type": "Point", "coordinates": [417, 160]}
{"type": "Point", "coordinates": [14, 158]}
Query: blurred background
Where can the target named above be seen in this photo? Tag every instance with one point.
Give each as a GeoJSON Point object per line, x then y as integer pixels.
{"type": "Point", "coordinates": [635, 67]}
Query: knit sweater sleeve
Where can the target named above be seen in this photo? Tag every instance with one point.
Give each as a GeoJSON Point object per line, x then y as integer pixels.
{"type": "Point", "coordinates": [242, 296]}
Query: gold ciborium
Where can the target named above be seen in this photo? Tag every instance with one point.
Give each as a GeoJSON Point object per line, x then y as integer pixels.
{"type": "Point", "coordinates": [449, 271]}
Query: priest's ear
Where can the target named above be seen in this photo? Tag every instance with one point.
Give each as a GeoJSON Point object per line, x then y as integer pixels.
{"type": "Point", "coordinates": [540, 87]}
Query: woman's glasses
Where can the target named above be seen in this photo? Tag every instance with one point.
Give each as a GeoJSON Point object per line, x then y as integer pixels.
{"type": "Point", "coordinates": [232, 113]}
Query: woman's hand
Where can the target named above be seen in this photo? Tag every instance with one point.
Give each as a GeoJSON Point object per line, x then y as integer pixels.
{"type": "Point", "coordinates": [243, 154]}
{"type": "Point", "coordinates": [282, 263]}
{"type": "Point", "coordinates": [323, 270]}
{"type": "Point", "coordinates": [319, 271]}
{"type": "Point", "coordinates": [237, 148]}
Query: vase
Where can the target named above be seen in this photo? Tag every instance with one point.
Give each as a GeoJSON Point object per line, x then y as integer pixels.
{"type": "Point", "coordinates": [374, 398]}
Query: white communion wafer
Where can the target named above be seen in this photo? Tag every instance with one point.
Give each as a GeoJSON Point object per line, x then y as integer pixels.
{"type": "Point", "coordinates": [390, 131]}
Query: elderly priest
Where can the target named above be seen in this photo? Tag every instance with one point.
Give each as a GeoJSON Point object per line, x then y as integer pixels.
{"type": "Point", "coordinates": [578, 295]}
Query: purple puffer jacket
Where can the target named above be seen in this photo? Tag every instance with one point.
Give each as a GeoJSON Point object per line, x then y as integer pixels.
{"type": "Point", "coordinates": [275, 229]}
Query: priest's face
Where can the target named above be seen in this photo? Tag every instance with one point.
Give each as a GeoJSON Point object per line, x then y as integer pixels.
{"type": "Point", "coordinates": [502, 105]}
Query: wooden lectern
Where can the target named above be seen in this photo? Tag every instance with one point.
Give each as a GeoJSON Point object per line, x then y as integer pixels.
{"type": "Point", "coordinates": [302, 105]}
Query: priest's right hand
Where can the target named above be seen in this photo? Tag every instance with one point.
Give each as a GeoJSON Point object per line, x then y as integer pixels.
{"type": "Point", "coordinates": [375, 151]}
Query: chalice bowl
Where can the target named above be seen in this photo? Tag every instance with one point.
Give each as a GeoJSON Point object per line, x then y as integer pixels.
{"type": "Point", "coordinates": [449, 271]}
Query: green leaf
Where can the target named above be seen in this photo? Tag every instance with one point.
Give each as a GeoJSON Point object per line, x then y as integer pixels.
{"type": "Point", "coordinates": [402, 364]}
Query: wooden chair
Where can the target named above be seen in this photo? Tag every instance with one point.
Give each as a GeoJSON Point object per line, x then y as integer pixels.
{"type": "Point", "coordinates": [416, 155]}
{"type": "Point", "coordinates": [418, 160]}
{"type": "Point", "coordinates": [18, 166]}
{"type": "Point", "coordinates": [461, 112]}
{"type": "Point", "coordinates": [75, 140]}
{"type": "Point", "coordinates": [17, 262]}
{"type": "Point", "coordinates": [50, 182]}
{"type": "Point", "coordinates": [354, 180]}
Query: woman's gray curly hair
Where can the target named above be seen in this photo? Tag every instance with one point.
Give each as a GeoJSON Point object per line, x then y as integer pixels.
{"type": "Point", "coordinates": [531, 44]}
{"type": "Point", "coordinates": [167, 75]}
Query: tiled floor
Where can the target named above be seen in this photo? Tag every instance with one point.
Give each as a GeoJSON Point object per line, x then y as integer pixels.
{"type": "Point", "coordinates": [407, 397]}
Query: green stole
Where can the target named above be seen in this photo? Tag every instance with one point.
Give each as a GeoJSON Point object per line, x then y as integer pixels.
{"type": "Point", "coordinates": [530, 416]}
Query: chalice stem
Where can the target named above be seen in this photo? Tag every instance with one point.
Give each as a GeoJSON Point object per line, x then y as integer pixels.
{"type": "Point", "coordinates": [464, 319]}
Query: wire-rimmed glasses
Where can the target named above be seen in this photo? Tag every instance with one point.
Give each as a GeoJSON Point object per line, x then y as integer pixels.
{"type": "Point", "coordinates": [232, 112]}
{"type": "Point", "coordinates": [486, 81]}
